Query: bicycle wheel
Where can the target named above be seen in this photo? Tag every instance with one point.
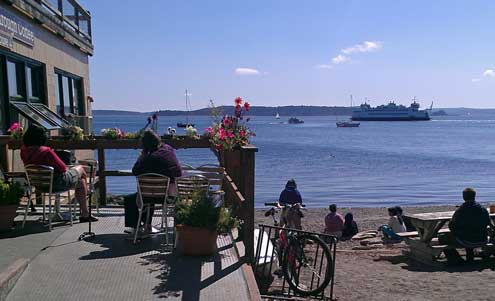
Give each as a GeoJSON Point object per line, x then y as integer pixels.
{"type": "Point", "coordinates": [307, 264]}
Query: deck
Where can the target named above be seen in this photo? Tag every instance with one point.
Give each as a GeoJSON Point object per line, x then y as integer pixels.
{"type": "Point", "coordinates": [109, 267]}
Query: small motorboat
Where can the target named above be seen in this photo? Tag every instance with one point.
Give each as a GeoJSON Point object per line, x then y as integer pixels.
{"type": "Point", "coordinates": [347, 124]}
{"type": "Point", "coordinates": [184, 125]}
{"type": "Point", "coordinates": [294, 120]}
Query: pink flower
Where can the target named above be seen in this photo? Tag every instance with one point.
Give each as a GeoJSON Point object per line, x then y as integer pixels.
{"type": "Point", "coordinates": [14, 127]}
{"type": "Point", "coordinates": [242, 133]}
{"type": "Point", "coordinates": [230, 134]}
{"type": "Point", "coordinates": [246, 106]}
{"type": "Point", "coordinates": [238, 101]}
{"type": "Point", "coordinates": [227, 121]}
{"type": "Point", "coordinates": [209, 131]}
{"type": "Point", "coordinates": [238, 108]}
{"type": "Point", "coordinates": [221, 134]}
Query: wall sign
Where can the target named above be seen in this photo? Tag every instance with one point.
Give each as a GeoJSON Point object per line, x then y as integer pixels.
{"type": "Point", "coordinates": [6, 39]}
{"type": "Point", "coordinates": [19, 29]}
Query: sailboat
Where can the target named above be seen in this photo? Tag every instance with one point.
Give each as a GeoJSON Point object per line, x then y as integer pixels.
{"type": "Point", "coordinates": [188, 106]}
{"type": "Point", "coordinates": [277, 116]}
{"type": "Point", "coordinates": [348, 124]}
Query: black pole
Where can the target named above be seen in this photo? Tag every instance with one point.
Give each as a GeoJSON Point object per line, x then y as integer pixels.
{"type": "Point", "coordinates": [89, 234]}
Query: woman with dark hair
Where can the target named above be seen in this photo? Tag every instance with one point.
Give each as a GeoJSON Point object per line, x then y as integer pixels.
{"type": "Point", "coordinates": [395, 225]}
{"type": "Point", "coordinates": [350, 227]}
{"type": "Point", "coordinates": [156, 157]}
{"type": "Point", "coordinates": [34, 151]}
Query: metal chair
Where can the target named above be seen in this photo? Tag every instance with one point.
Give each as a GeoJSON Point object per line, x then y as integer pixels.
{"type": "Point", "coordinates": [41, 177]}
{"type": "Point", "coordinates": [152, 188]}
{"type": "Point", "coordinates": [186, 186]}
{"type": "Point", "coordinates": [213, 173]}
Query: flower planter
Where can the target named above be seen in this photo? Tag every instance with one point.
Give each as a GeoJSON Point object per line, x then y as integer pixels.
{"type": "Point", "coordinates": [192, 241]}
{"type": "Point", "coordinates": [7, 215]}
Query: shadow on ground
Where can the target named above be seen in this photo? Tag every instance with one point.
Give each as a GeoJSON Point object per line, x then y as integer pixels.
{"type": "Point", "coordinates": [183, 274]}
{"type": "Point", "coordinates": [406, 263]}
{"type": "Point", "coordinates": [118, 245]}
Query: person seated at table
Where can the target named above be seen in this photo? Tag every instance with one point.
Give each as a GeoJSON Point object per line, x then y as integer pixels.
{"type": "Point", "coordinates": [35, 151]}
{"type": "Point", "coordinates": [334, 222]}
{"type": "Point", "coordinates": [404, 219]}
{"type": "Point", "coordinates": [394, 226]}
{"type": "Point", "coordinates": [468, 228]}
{"type": "Point", "coordinates": [350, 227]}
{"type": "Point", "coordinates": [156, 157]}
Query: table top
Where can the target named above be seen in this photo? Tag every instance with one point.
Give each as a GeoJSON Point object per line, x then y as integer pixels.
{"type": "Point", "coordinates": [436, 216]}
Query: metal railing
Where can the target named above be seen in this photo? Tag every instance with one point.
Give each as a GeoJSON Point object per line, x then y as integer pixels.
{"type": "Point", "coordinates": [266, 261]}
{"type": "Point", "coordinates": [71, 14]}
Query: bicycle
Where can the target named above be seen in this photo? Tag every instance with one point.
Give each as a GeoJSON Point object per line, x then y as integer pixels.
{"type": "Point", "coordinates": [299, 252]}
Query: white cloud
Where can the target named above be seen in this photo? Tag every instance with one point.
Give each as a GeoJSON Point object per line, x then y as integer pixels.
{"type": "Point", "coordinates": [489, 73]}
{"type": "Point", "coordinates": [366, 46]}
{"type": "Point", "coordinates": [340, 59]}
{"type": "Point", "coordinates": [475, 80]}
{"type": "Point", "coordinates": [323, 66]}
{"type": "Point", "coordinates": [247, 71]}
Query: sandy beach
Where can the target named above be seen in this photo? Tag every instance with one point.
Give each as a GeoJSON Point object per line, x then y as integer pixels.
{"type": "Point", "coordinates": [386, 274]}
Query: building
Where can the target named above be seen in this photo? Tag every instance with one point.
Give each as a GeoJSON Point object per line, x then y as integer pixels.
{"type": "Point", "coordinates": [45, 47]}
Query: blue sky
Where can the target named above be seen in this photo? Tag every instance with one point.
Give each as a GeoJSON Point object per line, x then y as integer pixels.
{"type": "Point", "coordinates": [291, 52]}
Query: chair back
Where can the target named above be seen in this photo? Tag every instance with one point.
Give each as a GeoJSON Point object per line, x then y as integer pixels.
{"type": "Point", "coordinates": [153, 186]}
{"type": "Point", "coordinates": [213, 173]}
{"type": "Point", "coordinates": [40, 177]}
{"type": "Point", "coordinates": [187, 185]}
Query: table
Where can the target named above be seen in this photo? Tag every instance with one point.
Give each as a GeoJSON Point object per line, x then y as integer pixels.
{"type": "Point", "coordinates": [428, 224]}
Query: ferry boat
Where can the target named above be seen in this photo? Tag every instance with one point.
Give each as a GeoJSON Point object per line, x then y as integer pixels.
{"type": "Point", "coordinates": [390, 112]}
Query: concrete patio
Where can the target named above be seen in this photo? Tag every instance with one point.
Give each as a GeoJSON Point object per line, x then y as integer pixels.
{"type": "Point", "coordinates": [109, 267]}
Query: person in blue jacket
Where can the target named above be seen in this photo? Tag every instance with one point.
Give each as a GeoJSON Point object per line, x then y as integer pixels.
{"type": "Point", "coordinates": [290, 195]}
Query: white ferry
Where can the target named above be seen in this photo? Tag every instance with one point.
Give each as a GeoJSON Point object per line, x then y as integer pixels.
{"type": "Point", "coordinates": [390, 112]}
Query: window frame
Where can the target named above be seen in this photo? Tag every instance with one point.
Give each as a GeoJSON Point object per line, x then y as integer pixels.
{"type": "Point", "coordinates": [77, 104]}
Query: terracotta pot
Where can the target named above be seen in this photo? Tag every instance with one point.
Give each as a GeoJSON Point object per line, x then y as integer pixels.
{"type": "Point", "coordinates": [192, 241]}
{"type": "Point", "coordinates": [7, 215]}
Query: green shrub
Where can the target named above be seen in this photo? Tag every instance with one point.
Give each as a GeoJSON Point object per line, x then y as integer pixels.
{"type": "Point", "coordinates": [10, 193]}
{"type": "Point", "coordinates": [201, 212]}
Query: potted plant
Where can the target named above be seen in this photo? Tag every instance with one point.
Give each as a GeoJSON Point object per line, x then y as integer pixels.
{"type": "Point", "coordinates": [15, 130]}
{"type": "Point", "coordinates": [10, 197]}
{"type": "Point", "coordinates": [199, 221]}
{"type": "Point", "coordinates": [72, 133]}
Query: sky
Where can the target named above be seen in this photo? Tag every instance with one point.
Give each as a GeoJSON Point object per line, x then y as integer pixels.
{"type": "Point", "coordinates": [284, 52]}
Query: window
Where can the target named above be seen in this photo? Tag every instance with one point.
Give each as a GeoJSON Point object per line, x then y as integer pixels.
{"type": "Point", "coordinates": [24, 81]}
{"type": "Point", "coordinates": [15, 78]}
{"type": "Point", "coordinates": [69, 94]}
{"type": "Point", "coordinates": [34, 83]}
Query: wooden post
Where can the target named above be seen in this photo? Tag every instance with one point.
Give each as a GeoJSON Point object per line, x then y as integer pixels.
{"type": "Point", "coordinates": [102, 177]}
{"type": "Point", "coordinates": [4, 158]}
{"type": "Point", "coordinates": [246, 186]}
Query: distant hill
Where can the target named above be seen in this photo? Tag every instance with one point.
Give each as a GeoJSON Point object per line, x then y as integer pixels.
{"type": "Point", "coordinates": [254, 111]}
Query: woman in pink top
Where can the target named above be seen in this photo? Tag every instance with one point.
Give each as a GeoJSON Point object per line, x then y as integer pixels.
{"type": "Point", "coordinates": [334, 222]}
{"type": "Point", "coordinates": [35, 152]}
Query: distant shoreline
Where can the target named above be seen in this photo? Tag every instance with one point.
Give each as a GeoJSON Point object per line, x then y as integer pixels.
{"type": "Point", "coordinates": [283, 111]}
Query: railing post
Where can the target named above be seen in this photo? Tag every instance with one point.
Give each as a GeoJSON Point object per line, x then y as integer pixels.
{"type": "Point", "coordinates": [246, 186]}
{"type": "Point", "coordinates": [101, 176]}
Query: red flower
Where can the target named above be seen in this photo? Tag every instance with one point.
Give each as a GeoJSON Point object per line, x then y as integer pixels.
{"type": "Point", "coordinates": [237, 108]}
{"type": "Point", "coordinates": [238, 101]}
{"type": "Point", "coordinates": [246, 106]}
{"type": "Point", "coordinates": [227, 122]}
{"type": "Point", "coordinates": [242, 133]}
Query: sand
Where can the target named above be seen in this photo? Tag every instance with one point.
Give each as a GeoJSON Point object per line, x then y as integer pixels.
{"type": "Point", "coordinates": [386, 274]}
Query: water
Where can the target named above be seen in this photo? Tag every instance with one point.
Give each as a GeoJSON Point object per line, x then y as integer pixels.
{"type": "Point", "coordinates": [377, 164]}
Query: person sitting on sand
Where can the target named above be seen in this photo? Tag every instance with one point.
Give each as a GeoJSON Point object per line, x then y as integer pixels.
{"type": "Point", "coordinates": [468, 227]}
{"type": "Point", "coordinates": [350, 227]}
{"type": "Point", "coordinates": [334, 222]}
{"type": "Point", "coordinates": [394, 226]}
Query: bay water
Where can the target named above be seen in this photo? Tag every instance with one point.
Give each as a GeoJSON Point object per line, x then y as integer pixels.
{"type": "Point", "coordinates": [377, 164]}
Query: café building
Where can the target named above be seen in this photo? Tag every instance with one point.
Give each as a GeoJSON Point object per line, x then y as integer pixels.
{"type": "Point", "coordinates": [45, 47]}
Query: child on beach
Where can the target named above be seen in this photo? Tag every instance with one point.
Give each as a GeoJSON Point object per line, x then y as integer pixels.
{"type": "Point", "coordinates": [395, 225]}
{"type": "Point", "coordinates": [350, 227]}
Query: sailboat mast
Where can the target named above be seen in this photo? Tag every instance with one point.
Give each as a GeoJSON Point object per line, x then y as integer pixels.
{"type": "Point", "coordinates": [187, 108]}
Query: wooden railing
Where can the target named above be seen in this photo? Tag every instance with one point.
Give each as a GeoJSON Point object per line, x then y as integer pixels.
{"type": "Point", "coordinates": [238, 177]}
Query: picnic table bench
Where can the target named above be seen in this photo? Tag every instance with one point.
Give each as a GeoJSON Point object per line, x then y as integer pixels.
{"type": "Point", "coordinates": [423, 243]}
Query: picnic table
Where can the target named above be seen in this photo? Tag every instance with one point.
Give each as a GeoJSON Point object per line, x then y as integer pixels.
{"type": "Point", "coordinates": [424, 247]}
